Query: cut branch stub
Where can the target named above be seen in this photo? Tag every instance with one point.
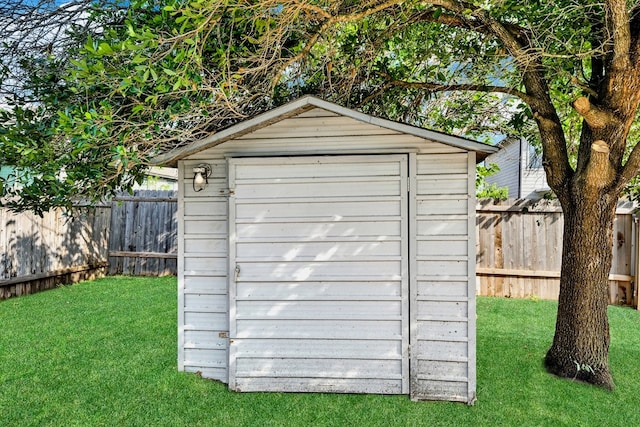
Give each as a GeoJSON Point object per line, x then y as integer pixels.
{"type": "Point", "coordinates": [594, 116]}
{"type": "Point", "coordinates": [600, 146]}
{"type": "Point", "coordinates": [543, 122]}
{"type": "Point", "coordinates": [600, 173]}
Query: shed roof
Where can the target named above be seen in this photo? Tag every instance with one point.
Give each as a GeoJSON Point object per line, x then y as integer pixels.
{"type": "Point", "coordinates": [307, 103]}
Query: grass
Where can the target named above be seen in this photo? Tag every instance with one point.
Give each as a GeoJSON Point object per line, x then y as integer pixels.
{"type": "Point", "coordinates": [104, 353]}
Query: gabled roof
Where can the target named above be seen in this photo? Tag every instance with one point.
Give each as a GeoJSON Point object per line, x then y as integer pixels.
{"type": "Point", "coordinates": [307, 103]}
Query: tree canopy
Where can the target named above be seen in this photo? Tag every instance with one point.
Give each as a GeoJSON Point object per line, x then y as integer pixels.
{"type": "Point", "coordinates": [147, 76]}
{"type": "Point", "coordinates": [134, 79]}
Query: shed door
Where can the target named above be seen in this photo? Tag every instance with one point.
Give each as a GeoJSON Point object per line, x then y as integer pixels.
{"type": "Point", "coordinates": [318, 271]}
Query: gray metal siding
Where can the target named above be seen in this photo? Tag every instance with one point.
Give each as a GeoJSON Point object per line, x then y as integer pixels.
{"type": "Point", "coordinates": [508, 160]}
{"type": "Point", "coordinates": [515, 173]}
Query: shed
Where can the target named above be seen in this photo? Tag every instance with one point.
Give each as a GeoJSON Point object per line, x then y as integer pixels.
{"type": "Point", "coordinates": [326, 250]}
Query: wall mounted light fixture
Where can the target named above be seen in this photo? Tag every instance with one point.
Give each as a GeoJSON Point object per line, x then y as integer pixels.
{"type": "Point", "coordinates": [201, 174]}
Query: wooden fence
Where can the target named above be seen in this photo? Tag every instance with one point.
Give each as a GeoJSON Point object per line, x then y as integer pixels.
{"type": "Point", "coordinates": [143, 239]}
{"type": "Point", "coordinates": [38, 253]}
{"type": "Point", "coordinates": [520, 246]}
{"type": "Point", "coordinates": [133, 235]}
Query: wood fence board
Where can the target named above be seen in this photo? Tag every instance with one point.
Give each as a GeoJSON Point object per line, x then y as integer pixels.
{"type": "Point", "coordinates": [38, 253]}
{"type": "Point", "coordinates": [622, 239]}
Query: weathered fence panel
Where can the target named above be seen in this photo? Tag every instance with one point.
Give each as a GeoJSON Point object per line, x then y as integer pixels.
{"type": "Point", "coordinates": [520, 248]}
{"type": "Point", "coordinates": [143, 239]}
{"type": "Point", "coordinates": [39, 253]}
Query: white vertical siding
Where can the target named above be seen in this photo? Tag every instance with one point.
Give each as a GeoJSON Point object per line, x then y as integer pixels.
{"type": "Point", "coordinates": [442, 348]}
{"type": "Point", "coordinates": [202, 273]}
{"type": "Point", "coordinates": [532, 179]}
{"type": "Point", "coordinates": [319, 302]}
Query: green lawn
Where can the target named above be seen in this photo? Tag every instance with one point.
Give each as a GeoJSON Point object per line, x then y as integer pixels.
{"type": "Point", "coordinates": [104, 353]}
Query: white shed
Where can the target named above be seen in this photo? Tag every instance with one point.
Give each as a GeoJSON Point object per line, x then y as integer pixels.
{"type": "Point", "coordinates": [328, 251]}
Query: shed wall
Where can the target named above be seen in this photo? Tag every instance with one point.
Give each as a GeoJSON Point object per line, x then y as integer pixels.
{"type": "Point", "coordinates": [322, 132]}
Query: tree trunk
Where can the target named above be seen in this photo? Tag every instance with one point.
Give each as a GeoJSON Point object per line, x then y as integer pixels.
{"type": "Point", "coordinates": [581, 343]}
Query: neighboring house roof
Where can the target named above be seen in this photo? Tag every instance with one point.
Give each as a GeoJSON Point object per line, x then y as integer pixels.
{"type": "Point", "coordinates": [307, 103]}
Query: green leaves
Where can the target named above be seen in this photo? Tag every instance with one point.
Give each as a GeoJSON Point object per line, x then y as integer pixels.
{"type": "Point", "coordinates": [104, 49]}
{"type": "Point", "coordinates": [156, 74]}
{"type": "Point", "coordinates": [485, 190]}
{"type": "Point", "coordinates": [160, 73]}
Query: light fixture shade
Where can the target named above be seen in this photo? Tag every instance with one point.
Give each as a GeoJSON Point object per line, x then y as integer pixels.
{"type": "Point", "coordinates": [199, 179]}
{"type": "Point", "coordinates": [201, 174]}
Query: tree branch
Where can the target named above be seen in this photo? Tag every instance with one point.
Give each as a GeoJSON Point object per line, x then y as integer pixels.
{"type": "Point", "coordinates": [352, 17]}
{"type": "Point", "coordinates": [313, 9]}
{"type": "Point", "coordinates": [437, 87]}
{"type": "Point", "coordinates": [631, 168]}
{"type": "Point", "coordinates": [529, 62]}
{"type": "Point", "coordinates": [556, 157]}
{"type": "Point", "coordinates": [493, 27]}
{"type": "Point", "coordinates": [600, 173]}
{"type": "Point", "coordinates": [634, 29]}
{"type": "Point", "coordinates": [330, 20]}
{"type": "Point", "coordinates": [586, 88]}
{"type": "Point", "coordinates": [519, 33]}
{"type": "Point", "coordinates": [617, 23]}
